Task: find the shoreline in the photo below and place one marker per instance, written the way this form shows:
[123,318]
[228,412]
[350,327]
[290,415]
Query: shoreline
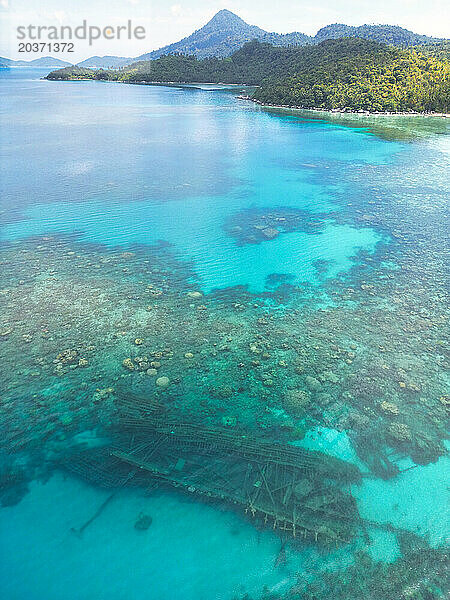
[336,111]
[332,111]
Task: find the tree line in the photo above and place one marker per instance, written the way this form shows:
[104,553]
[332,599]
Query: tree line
[351,73]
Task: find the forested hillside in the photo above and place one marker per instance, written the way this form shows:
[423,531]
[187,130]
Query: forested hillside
[385,34]
[344,73]
[363,76]
[226,33]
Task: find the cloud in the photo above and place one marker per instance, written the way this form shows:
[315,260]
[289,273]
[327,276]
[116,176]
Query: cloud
[4,4]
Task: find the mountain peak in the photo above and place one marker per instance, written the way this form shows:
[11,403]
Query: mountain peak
[224,12]
[225,20]
[226,32]
[221,36]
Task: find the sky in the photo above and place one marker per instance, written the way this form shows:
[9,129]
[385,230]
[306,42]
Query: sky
[167,21]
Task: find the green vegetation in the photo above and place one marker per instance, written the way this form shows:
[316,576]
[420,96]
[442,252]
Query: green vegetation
[347,73]
[226,32]
[440,50]
[73,73]
[363,75]
[223,35]
[385,34]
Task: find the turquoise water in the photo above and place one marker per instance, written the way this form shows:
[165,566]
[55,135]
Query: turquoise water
[117,202]
[162,146]
[195,231]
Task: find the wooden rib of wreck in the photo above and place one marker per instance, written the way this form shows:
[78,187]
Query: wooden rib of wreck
[287,488]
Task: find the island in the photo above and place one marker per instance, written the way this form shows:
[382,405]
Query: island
[349,74]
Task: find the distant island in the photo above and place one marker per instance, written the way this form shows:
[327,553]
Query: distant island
[44,62]
[340,74]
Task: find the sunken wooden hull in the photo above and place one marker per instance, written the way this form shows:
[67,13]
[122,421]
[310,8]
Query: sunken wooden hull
[286,488]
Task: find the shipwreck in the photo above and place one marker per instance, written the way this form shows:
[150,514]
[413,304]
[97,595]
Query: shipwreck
[290,489]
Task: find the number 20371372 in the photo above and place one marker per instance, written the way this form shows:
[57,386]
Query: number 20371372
[46,47]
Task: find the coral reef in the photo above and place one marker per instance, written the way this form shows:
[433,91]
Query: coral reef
[228,353]
[361,353]
[254,226]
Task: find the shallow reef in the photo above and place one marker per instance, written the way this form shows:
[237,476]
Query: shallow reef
[364,353]
[420,574]
[82,323]
[253,226]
